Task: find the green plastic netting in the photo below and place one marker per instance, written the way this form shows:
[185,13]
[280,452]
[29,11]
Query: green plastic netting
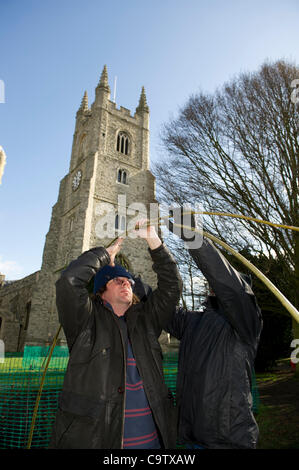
[20,378]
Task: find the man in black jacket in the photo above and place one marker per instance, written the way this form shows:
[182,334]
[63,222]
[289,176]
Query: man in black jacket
[216,358]
[114,395]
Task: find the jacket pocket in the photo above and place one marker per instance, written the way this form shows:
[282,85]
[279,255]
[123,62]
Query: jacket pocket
[78,432]
[62,424]
[84,356]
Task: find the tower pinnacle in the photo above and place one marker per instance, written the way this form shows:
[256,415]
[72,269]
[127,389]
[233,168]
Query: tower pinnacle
[104,80]
[84,102]
[142,106]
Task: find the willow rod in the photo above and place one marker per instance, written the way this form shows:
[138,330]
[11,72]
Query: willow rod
[41,389]
[239,216]
[285,302]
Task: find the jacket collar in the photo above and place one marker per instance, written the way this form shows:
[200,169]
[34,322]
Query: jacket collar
[130,315]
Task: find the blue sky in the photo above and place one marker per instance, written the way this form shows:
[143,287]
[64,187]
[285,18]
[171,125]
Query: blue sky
[53,50]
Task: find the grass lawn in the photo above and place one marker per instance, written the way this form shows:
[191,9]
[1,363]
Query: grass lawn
[278,416]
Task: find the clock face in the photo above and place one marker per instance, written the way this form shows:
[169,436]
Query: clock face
[76,180]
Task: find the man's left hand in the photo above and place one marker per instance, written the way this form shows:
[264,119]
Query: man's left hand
[114,249]
[148,233]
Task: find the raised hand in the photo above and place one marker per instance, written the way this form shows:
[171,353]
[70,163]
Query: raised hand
[148,233]
[114,249]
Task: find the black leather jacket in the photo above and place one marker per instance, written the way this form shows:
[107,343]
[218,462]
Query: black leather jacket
[216,358]
[91,406]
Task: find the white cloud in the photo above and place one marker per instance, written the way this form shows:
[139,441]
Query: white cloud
[11,269]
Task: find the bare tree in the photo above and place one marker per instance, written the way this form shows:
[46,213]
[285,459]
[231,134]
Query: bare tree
[194,289]
[237,151]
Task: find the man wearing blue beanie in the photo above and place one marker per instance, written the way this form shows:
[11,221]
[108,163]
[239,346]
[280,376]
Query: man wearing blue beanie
[114,395]
[107,273]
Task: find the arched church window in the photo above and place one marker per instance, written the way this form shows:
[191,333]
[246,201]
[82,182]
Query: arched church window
[71,223]
[122,176]
[28,309]
[122,144]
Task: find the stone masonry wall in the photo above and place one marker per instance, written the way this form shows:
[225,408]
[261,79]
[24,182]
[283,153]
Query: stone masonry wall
[15,307]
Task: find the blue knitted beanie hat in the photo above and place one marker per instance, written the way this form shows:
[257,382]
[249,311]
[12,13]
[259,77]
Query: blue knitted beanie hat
[107,273]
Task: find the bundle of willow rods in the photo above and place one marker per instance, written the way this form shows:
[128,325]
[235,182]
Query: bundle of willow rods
[284,301]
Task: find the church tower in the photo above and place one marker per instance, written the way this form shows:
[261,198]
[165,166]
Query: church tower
[107,185]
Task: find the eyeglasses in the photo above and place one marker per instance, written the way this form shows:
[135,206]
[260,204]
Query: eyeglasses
[120,281]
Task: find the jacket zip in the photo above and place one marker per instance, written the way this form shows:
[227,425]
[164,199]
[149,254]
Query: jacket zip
[125,392]
[125,380]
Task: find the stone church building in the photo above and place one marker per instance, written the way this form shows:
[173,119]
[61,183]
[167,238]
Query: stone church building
[109,168]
